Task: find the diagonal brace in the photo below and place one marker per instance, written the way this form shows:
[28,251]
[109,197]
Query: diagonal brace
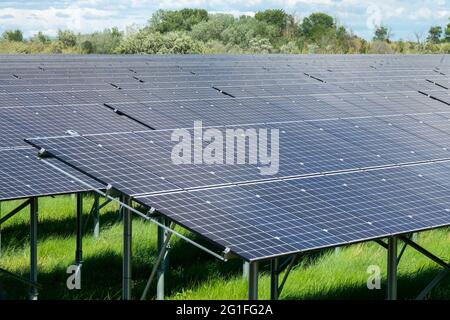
[288,271]
[385,245]
[158,262]
[434,258]
[426,253]
[19,278]
[95,208]
[14,211]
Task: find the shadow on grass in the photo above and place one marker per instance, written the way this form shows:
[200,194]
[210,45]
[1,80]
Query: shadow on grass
[14,234]
[189,267]
[409,286]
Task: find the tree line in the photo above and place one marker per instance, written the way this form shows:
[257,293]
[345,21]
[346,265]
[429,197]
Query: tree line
[197,31]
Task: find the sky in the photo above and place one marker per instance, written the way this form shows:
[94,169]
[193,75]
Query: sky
[405,18]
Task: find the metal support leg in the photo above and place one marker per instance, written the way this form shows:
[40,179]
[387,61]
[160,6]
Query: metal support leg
[245,269]
[0,230]
[79,241]
[96,215]
[162,236]
[126,266]
[253,281]
[392,269]
[274,279]
[122,199]
[33,246]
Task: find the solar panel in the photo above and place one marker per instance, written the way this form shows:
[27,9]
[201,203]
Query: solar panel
[305,148]
[259,221]
[23,175]
[23,122]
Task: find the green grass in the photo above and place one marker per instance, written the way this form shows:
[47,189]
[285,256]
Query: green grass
[193,274]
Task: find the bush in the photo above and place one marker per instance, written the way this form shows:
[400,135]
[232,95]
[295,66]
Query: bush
[105,42]
[13,35]
[261,45]
[41,38]
[87,47]
[212,29]
[179,20]
[67,38]
[147,41]
[380,47]
[290,47]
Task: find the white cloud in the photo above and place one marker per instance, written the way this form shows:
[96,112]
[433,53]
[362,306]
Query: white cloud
[79,19]
[91,15]
[421,13]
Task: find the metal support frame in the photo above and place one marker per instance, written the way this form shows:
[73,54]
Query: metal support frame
[245,268]
[0,229]
[32,281]
[163,250]
[20,279]
[127,249]
[122,200]
[428,254]
[96,215]
[276,268]
[274,279]
[402,250]
[392,269]
[104,204]
[253,281]
[438,278]
[15,211]
[381,243]
[223,256]
[408,240]
[79,230]
[33,246]
[162,255]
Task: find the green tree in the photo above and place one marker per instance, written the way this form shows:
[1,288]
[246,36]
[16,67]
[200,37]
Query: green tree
[274,17]
[316,25]
[41,38]
[247,28]
[103,42]
[148,41]
[178,20]
[447,33]
[434,34]
[382,33]
[13,35]
[67,38]
[213,28]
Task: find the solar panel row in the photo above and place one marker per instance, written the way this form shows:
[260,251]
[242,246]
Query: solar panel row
[264,220]
[363,140]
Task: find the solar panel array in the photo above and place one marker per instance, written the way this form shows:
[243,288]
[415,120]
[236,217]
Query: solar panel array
[364,140]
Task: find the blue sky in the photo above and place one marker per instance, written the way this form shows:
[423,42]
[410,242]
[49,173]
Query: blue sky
[405,18]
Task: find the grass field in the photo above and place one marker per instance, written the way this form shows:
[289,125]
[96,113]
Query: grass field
[193,274]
